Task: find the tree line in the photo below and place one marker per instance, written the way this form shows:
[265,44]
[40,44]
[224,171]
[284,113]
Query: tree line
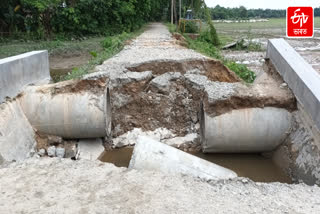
[42,18]
[241,12]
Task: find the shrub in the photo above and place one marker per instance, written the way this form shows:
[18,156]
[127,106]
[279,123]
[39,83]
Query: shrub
[190,27]
[242,71]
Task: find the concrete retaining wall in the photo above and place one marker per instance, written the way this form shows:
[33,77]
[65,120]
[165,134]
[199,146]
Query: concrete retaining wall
[302,79]
[21,70]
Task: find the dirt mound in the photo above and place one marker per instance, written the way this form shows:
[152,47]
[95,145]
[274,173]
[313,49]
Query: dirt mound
[213,69]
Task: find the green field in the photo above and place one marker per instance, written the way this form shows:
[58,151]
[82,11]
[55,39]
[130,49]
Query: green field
[275,26]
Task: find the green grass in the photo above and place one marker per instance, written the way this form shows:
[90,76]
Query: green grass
[111,46]
[203,47]
[275,26]
[241,70]
[100,48]
[272,23]
[15,47]
[171,27]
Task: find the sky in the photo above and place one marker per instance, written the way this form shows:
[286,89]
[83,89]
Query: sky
[270,4]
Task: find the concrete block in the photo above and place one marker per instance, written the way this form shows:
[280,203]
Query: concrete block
[301,78]
[90,149]
[17,138]
[149,154]
[21,70]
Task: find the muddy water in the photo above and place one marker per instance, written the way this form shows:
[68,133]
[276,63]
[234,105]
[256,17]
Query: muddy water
[253,166]
[119,157]
[58,74]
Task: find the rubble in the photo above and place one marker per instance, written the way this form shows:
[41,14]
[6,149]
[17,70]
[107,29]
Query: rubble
[90,149]
[51,151]
[60,152]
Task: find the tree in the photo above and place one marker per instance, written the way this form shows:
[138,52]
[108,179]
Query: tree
[243,13]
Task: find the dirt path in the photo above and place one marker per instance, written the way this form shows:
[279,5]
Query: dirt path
[50,185]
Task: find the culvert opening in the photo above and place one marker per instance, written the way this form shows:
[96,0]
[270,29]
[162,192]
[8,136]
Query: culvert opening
[254,166]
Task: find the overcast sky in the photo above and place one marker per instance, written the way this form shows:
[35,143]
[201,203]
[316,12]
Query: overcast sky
[271,4]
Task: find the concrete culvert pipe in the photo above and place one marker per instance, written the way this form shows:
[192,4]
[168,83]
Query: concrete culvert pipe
[244,130]
[70,109]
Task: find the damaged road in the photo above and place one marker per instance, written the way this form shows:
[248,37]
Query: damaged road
[157,89]
[156,83]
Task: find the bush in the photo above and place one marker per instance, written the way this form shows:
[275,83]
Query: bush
[190,27]
[203,45]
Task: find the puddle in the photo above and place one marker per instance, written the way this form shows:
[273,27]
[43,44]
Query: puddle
[57,74]
[253,166]
[119,157]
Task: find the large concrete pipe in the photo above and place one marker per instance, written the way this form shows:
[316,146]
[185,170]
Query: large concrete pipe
[70,109]
[244,130]
[149,154]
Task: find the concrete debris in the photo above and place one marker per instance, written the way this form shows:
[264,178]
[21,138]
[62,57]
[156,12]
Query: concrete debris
[60,152]
[51,151]
[70,149]
[179,141]
[149,154]
[139,76]
[160,134]
[130,138]
[162,82]
[197,81]
[284,85]
[42,152]
[90,149]
[215,90]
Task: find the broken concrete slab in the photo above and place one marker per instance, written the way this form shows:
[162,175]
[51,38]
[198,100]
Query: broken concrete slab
[230,45]
[162,82]
[17,137]
[21,70]
[149,154]
[90,149]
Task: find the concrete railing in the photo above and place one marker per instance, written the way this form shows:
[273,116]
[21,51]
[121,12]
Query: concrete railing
[301,78]
[21,70]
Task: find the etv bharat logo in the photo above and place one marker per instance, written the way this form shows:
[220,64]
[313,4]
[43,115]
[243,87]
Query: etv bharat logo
[300,22]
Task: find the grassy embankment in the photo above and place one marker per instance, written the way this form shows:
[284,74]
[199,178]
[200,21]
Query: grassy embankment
[203,45]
